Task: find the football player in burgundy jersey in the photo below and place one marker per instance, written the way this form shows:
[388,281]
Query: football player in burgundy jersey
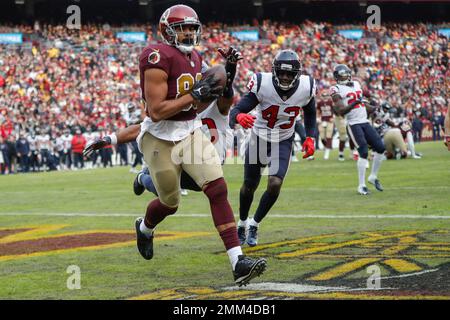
[278,97]
[215,124]
[325,113]
[171,140]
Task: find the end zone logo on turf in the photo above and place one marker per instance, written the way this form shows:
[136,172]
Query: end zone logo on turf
[413,265]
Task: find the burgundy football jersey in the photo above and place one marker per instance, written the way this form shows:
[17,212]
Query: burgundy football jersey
[183,71]
[326,109]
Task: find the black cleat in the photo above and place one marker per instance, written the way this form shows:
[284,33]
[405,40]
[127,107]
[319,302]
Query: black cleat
[247,269]
[252,237]
[144,244]
[241,235]
[137,187]
[376,183]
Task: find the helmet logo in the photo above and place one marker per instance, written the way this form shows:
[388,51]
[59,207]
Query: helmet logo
[165,16]
[285,66]
[154,57]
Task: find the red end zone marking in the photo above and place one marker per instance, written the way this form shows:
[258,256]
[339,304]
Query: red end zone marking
[65,242]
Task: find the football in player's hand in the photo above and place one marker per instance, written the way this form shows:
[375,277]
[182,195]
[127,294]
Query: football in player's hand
[219,73]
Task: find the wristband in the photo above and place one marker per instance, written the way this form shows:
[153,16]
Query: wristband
[113,138]
[228,92]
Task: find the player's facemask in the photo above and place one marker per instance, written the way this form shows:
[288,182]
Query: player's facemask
[185,36]
[285,79]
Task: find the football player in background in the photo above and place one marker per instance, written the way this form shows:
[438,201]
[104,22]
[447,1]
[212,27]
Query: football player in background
[389,131]
[172,89]
[133,116]
[278,97]
[348,101]
[325,114]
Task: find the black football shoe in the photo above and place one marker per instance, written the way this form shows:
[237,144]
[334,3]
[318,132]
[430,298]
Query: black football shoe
[241,235]
[376,183]
[247,268]
[252,237]
[144,243]
[137,187]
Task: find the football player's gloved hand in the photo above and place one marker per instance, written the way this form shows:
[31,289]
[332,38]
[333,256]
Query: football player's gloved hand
[308,147]
[245,120]
[207,89]
[96,145]
[232,55]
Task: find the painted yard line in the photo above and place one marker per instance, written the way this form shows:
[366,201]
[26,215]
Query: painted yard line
[409,274]
[207,215]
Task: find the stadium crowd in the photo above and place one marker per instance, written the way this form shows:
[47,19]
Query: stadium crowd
[63,87]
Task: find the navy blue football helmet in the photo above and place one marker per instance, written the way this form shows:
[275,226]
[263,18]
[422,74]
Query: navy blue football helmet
[286,69]
[342,74]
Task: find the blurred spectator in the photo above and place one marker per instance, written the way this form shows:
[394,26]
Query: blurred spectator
[12,154]
[3,156]
[438,124]
[67,79]
[78,144]
[23,152]
[417,126]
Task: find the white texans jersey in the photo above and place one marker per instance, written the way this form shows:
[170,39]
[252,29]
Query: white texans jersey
[33,142]
[275,118]
[215,126]
[67,139]
[349,94]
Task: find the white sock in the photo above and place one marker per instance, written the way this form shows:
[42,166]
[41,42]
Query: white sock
[234,254]
[361,164]
[145,230]
[376,163]
[326,154]
[411,147]
[139,178]
[253,223]
[243,223]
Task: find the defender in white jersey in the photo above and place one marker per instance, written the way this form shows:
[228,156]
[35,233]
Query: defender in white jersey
[348,101]
[278,98]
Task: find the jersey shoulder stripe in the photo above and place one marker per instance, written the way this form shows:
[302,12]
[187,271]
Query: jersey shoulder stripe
[258,81]
[311,85]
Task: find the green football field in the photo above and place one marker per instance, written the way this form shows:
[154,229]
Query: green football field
[70,235]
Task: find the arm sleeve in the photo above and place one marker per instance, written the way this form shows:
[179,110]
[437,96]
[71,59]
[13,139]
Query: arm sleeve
[309,112]
[245,105]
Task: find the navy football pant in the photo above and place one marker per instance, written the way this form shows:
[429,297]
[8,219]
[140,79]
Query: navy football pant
[364,135]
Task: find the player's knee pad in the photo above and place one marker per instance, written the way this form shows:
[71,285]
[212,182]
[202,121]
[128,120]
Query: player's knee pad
[171,200]
[168,191]
[363,151]
[274,185]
